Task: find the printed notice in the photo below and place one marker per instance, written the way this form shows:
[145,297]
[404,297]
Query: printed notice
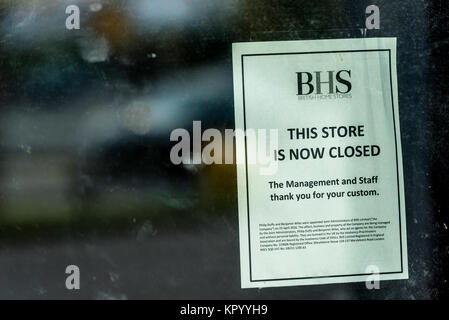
[326,204]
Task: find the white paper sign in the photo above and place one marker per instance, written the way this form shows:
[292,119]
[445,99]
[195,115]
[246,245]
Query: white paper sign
[331,206]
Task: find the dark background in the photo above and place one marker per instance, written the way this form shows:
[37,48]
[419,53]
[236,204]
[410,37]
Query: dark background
[85,173]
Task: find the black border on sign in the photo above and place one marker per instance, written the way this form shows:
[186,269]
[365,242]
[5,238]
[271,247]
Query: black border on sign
[246,163]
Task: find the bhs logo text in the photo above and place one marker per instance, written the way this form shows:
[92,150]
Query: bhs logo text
[313,83]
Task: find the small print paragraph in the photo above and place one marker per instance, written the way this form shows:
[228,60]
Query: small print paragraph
[301,235]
